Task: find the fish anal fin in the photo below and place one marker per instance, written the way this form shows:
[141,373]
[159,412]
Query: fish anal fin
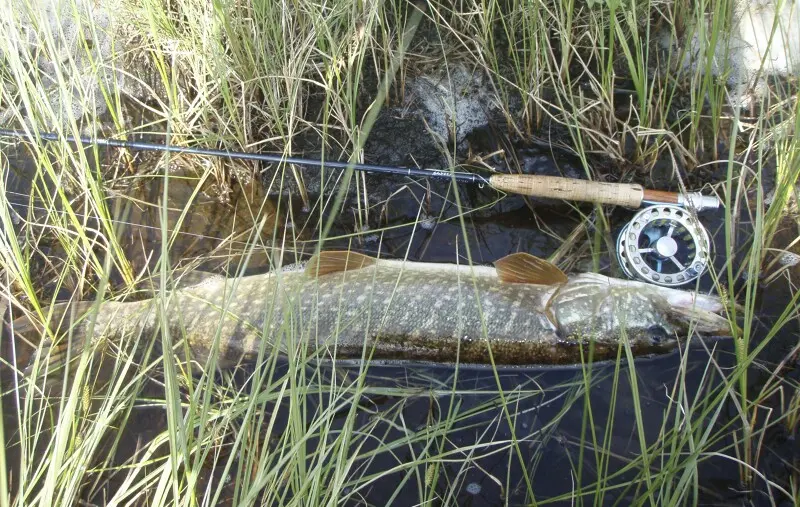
[525,268]
[337,261]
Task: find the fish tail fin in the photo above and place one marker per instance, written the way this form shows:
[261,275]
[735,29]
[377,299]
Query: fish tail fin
[54,342]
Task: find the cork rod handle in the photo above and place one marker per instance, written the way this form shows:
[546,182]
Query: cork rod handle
[569,189]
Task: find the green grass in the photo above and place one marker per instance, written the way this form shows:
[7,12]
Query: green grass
[264,75]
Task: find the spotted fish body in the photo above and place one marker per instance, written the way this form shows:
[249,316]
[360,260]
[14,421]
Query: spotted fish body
[346,305]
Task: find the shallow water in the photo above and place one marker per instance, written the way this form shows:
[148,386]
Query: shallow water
[548,422]
[544,416]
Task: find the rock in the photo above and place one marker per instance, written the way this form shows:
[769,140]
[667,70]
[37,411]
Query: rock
[70,41]
[454,102]
[749,46]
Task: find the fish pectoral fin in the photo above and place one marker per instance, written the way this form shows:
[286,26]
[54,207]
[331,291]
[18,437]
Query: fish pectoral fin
[525,268]
[335,261]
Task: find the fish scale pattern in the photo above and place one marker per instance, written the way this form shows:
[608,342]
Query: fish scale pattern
[393,310]
[435,314]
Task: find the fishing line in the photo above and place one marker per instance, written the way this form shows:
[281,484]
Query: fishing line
[554,187]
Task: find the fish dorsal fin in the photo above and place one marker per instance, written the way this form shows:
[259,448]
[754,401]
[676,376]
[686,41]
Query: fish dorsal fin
[337,260]
[525,268]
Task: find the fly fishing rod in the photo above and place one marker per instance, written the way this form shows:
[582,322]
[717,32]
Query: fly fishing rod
[664,244]
[554,187]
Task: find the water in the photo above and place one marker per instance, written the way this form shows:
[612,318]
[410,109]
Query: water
[545,407]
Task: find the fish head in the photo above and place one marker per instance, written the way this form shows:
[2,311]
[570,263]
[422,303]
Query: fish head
[606,309]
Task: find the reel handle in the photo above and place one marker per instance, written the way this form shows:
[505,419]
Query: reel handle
[617,194]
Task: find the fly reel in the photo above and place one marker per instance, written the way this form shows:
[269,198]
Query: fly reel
[664,245]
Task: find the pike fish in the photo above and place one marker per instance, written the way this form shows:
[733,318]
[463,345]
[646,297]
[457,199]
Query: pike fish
[340,304]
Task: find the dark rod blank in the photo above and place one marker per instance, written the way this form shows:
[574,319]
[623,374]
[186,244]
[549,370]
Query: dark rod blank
[460,177]
[554,187]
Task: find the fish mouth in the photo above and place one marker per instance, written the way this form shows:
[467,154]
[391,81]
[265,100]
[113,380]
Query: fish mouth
[703,321]
[702,313]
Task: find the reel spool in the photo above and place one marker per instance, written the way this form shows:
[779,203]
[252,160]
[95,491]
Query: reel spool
[664,245]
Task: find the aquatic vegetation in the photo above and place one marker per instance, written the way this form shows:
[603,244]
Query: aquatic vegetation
[77,50]
[582,82]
